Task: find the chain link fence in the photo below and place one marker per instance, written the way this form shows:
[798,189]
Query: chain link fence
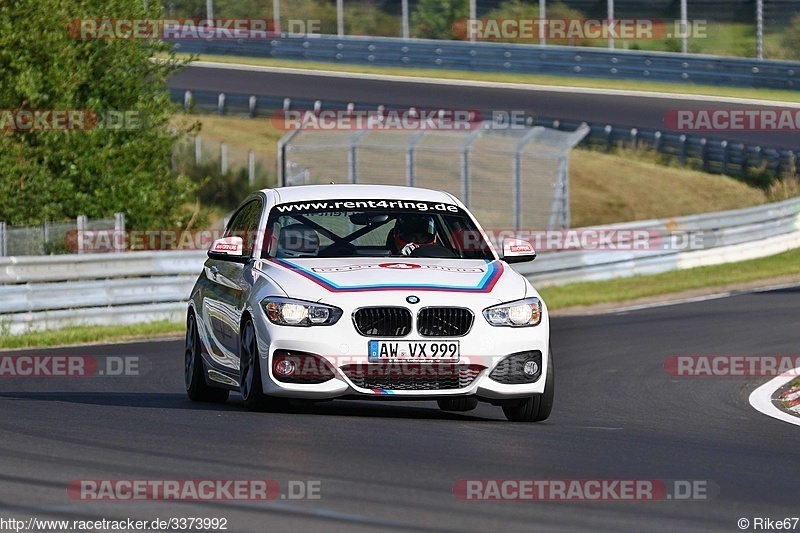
[54,238]
[717,27]
[511,177]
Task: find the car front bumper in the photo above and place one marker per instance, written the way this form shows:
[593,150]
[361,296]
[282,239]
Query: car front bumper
[340,345]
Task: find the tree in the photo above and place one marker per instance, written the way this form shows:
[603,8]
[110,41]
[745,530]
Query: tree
[434,19]
[58,174]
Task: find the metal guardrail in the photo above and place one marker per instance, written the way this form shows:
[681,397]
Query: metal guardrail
[56,291]
[727,236]
[50,292]
[714,155]
[585,62]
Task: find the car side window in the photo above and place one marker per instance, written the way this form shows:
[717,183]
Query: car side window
[245,225]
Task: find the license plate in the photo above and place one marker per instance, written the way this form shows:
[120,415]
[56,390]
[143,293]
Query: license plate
[423,351]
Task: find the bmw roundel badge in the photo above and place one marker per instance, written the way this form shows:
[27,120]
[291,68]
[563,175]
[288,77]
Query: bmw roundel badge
[412,299]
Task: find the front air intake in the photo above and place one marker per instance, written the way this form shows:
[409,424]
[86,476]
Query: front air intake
[383,321]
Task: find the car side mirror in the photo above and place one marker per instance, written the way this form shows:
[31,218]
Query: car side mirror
[228,249]
[517,251]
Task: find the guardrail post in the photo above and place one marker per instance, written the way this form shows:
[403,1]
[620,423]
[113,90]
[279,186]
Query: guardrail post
[3,228]
[120,240]
[634,138]
[352,157]
[411,157]
[607,130]
[251,168]
[776,165]
[658,140]
[223,157]
[682,140]
[724,145]
[253,106]
[404,16]
[283,162]
[610,17]
[757,149]
[745,152]
[466,171]
[704,154]
[287,103]
[81,223]
[317,106]
[563,170]
[516,169]
[221,103]
[198,150]
[187,99]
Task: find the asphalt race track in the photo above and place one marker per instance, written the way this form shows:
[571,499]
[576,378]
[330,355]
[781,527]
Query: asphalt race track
[618,415]
[641,112]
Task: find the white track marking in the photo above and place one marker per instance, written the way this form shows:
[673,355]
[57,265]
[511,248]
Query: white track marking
[627,309]
[761,398]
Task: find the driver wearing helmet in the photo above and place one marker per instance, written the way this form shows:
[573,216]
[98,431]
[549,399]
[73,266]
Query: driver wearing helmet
[412,231]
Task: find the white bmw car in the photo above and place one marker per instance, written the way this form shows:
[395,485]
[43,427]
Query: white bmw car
[327,292]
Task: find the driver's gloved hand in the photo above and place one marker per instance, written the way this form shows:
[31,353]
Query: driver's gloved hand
[408,248]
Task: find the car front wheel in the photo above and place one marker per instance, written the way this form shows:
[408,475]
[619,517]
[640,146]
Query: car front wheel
[250,372]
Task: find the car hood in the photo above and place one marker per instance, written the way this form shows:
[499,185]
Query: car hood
[336,279]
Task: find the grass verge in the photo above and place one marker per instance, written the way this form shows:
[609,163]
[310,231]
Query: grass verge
[621,186]
[533,79]
[638,287]
[91,335]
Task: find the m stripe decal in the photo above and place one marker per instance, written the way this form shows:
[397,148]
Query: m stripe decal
[485,284]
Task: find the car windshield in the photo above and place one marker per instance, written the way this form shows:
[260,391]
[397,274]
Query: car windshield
[373,228]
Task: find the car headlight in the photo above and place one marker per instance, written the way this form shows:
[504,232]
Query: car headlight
[527,312]
[288,312]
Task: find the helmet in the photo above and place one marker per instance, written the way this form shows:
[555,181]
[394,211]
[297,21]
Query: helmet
[417,229]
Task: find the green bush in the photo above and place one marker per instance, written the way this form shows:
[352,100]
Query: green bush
[216,189]
[434,19]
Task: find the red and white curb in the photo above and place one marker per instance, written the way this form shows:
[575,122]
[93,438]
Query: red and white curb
[791,399]
[762,398]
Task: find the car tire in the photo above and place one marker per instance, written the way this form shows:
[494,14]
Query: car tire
[538,407]
[466,403]
[250,385]
[194,368]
